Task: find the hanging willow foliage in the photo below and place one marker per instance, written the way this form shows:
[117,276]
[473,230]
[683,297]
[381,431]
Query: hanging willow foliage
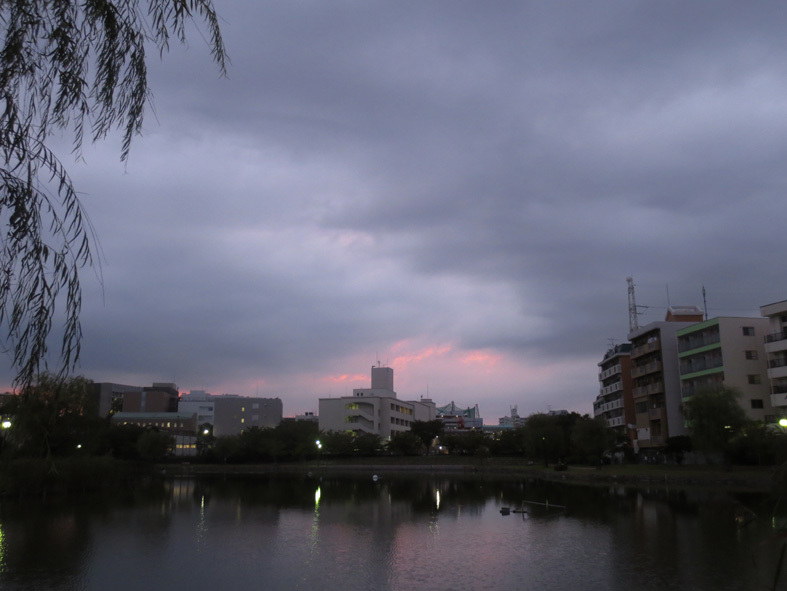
[79,67]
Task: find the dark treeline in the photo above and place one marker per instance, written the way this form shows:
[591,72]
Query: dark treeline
[57,418]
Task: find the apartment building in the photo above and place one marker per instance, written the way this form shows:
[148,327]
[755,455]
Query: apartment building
[731,352]
[615,400]
[775,343]
[656,378]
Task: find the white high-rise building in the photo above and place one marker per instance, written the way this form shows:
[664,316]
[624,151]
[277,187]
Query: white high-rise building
[374,410]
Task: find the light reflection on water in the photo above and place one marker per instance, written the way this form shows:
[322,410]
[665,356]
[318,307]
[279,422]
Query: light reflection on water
[395,534]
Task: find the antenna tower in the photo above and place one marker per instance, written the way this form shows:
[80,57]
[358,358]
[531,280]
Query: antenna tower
[704,302]
[633,322]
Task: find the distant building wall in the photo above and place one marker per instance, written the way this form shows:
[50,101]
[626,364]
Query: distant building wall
[234,414]
[199,402]
[110,396]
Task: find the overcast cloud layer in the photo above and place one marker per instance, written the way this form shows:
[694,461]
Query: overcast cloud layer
[456,189]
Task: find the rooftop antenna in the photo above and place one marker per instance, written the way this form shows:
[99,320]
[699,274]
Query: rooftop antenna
[633,322]
[704,303]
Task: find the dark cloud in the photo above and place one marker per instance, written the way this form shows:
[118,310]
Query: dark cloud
[460,185]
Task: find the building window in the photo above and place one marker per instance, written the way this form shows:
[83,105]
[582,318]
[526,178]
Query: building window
[255,406]
[748,331]
[757,403]
[750,354]
[755,378]
[641,407]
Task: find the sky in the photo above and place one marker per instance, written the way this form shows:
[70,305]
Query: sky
[455,189]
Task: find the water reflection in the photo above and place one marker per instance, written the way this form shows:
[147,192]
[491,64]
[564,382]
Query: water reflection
[311,532]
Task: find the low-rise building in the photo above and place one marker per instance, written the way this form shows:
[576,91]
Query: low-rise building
[455,418]
[512,421]
[182,426]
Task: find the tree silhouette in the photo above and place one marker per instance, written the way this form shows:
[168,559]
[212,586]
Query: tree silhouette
[78,67]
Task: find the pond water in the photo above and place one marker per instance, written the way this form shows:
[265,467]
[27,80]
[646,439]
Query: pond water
[398,533]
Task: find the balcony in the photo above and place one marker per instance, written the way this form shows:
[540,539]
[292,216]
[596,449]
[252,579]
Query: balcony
[654,345]
[700,364]
[608,373]
[776,336]
[648,389]
[608,406]
[617,386]
[689,342]
[641,370]
[779,400]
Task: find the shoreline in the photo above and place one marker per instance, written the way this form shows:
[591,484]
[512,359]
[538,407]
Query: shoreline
[764,479]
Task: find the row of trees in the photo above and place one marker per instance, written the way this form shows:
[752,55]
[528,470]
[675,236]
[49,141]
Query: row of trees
[544,438]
